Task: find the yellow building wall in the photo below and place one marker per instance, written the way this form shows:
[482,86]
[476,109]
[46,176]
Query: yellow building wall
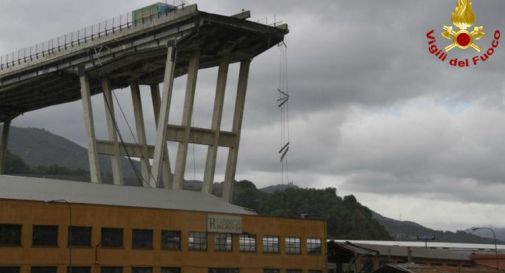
[29,213]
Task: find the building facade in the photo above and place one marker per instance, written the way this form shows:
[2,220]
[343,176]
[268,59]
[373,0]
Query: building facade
[40,233]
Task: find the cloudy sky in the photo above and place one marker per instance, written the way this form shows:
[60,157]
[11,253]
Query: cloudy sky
[372,112]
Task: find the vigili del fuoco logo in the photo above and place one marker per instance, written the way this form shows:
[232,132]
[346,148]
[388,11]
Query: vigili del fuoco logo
[462,37]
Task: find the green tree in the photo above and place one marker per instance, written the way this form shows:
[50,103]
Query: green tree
[346,218]
[15,164]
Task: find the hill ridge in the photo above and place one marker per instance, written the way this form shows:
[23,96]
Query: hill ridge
[346,217]
[40,147]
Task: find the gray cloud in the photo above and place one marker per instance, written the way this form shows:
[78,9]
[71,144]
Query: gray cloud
[372,112]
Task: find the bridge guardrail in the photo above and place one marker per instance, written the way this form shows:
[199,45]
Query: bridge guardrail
[76,38]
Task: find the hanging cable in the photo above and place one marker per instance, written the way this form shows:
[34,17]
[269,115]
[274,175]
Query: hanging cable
[283,105]
[124,117]
[150,174]
[116,127]
[286,86]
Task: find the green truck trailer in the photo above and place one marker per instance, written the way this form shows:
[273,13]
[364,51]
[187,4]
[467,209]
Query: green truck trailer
[151,10]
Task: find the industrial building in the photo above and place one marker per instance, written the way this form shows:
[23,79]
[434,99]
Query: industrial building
[45,225]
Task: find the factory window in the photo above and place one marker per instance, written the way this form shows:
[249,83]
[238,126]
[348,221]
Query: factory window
[142,270]
[111,269]
[293,245]
[44,269]
[294,271]
[10,235]
[170,270]
[224,270]
[223,242]
[271,270]
[170,239]
[313,246]
[79,236]
[112,237]
[9,269]
[142,238]
[79,269]
[45,236]
[270,244]
[247,243]
[197,241]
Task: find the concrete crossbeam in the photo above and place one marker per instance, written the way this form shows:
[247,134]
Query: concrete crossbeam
[105,147]
[198,136]
[231,165]
[117,172]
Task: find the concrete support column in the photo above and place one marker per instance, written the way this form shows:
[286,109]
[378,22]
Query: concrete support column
[141,132]
[94,167]
[166,172]
[110,116]
[210,165]
[182,150]
[3,145]
[231,165]
[161,135]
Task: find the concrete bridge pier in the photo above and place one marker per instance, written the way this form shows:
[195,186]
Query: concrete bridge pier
[231,165]
[210,165]
[159,174]
[94,166]
[141,132]
[3,145]
[166,173]
[182,150]
[117,170]
[164,109]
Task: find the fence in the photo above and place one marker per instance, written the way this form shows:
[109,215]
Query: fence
[76,38]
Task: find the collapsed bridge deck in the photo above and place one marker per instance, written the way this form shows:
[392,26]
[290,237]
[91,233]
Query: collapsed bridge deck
[147,52]
[135,53]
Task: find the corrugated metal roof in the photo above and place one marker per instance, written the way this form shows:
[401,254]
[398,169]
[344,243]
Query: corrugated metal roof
[402,251]
[416,268]
[393,268]
[39,189]
[354,248]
